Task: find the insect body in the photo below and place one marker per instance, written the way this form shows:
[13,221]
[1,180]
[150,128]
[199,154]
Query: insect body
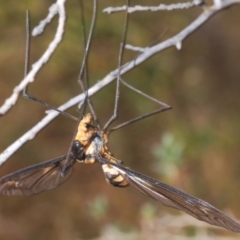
[94,143]
[88,143]
[89,146]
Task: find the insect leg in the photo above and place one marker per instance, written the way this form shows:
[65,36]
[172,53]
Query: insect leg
[26,69]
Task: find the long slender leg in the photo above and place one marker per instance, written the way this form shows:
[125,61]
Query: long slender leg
[26,69]
[83,74]
[163,108]
[120,80]
[121,52]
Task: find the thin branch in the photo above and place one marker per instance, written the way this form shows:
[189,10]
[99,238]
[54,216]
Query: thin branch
[160,7]
[44,59]
[51,114]
[53,10]
[134,48]
[178,38]
[149,52]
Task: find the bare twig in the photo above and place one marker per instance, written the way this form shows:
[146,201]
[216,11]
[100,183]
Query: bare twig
[160,7]
[147,53]
[60,8]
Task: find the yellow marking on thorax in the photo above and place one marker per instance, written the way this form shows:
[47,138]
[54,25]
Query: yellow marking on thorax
[85,132]
[85,136]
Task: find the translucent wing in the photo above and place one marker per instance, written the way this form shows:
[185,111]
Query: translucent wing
[172,197]
[37,178]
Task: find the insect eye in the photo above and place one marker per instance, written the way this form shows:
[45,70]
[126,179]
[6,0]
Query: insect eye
[77,150]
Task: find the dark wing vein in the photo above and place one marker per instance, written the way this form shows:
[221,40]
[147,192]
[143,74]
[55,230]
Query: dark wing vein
[172,197]
[37,178]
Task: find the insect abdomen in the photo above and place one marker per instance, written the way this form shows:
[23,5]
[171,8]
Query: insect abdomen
[114,177]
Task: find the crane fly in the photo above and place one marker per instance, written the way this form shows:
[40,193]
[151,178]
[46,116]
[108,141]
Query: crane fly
[90,146]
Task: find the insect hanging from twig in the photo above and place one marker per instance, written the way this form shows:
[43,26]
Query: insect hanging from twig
[89,146]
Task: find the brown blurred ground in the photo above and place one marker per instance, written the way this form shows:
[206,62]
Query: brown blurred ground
[201,83]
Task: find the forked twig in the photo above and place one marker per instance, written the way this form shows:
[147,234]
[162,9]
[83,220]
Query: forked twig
[146,54]
[59,8]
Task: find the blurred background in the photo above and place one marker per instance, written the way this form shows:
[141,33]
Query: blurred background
[194,146]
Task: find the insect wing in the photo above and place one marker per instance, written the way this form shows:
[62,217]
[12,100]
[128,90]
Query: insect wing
[172,197]
[35,179]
